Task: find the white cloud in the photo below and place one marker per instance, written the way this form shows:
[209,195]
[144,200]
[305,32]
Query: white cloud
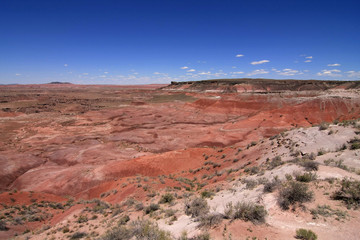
[334,65]
[330,73]
[289,72]
[237,72]
[65,65]
[260,62]
[162,74]
[353,74]
[309,57]
[258,71]
[204,73]
[275,70]
[191,70]
[106,72]
[239,55]
[17,74]
[185,67]
[85,73]
[307,61]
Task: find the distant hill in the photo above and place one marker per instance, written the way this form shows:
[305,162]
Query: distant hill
[60,83]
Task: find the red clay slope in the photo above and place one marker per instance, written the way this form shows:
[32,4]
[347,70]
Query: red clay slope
[71,152]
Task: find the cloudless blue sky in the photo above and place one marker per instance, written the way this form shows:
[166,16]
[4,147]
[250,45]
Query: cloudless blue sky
[134,42]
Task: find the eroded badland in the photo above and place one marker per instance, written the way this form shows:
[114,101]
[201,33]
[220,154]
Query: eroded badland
[180,160]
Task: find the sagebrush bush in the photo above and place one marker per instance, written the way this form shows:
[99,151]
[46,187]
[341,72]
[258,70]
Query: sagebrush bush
[305,234]
[82,219]
[323,126]
[246,211]
[349,193]
[152,208]
[117,233]
[310,165]
[250,183]
[78,235]
[166,198]
[306,177]
[292,193]
[145,229]
[3,226]
[271,186]
[201,236]
[275,162]
[207,194]
[100,206]
[196,207]
[210,220]
[327,211]
[354,144]
[139,229]
[123,220]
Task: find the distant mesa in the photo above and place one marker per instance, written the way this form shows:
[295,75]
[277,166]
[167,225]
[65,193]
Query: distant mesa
[260,85]
[60,83]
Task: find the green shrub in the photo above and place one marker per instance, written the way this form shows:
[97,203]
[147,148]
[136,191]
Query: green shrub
[207,194]
[100,206]
[254,170]
[306,177]
[123,220]
[349,193]
[197,207]
[202,236]
[310,165]
[145,229]
[82,219]
[305,234]
[117,233]
[323,126]
[355,144]
[292,193]
[271,186]
[139,229]
[152,208]
[327,211]
[321,152]
[246,211]
[275,162]
[3,226]
[210,220]
[139,206]
[78,235]
[166,198]
[250,183]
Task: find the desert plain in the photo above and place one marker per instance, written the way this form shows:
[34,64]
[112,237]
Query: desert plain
[214,159]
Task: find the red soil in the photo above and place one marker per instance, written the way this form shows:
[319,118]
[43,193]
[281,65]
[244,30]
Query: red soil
[84,141]
[70,153]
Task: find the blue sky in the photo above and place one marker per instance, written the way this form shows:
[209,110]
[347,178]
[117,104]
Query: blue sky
[135,42]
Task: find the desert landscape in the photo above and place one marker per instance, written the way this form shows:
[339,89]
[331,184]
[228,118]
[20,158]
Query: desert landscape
[215,159]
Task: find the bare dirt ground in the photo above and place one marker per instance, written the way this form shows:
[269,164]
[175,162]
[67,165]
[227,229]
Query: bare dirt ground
[64,147]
